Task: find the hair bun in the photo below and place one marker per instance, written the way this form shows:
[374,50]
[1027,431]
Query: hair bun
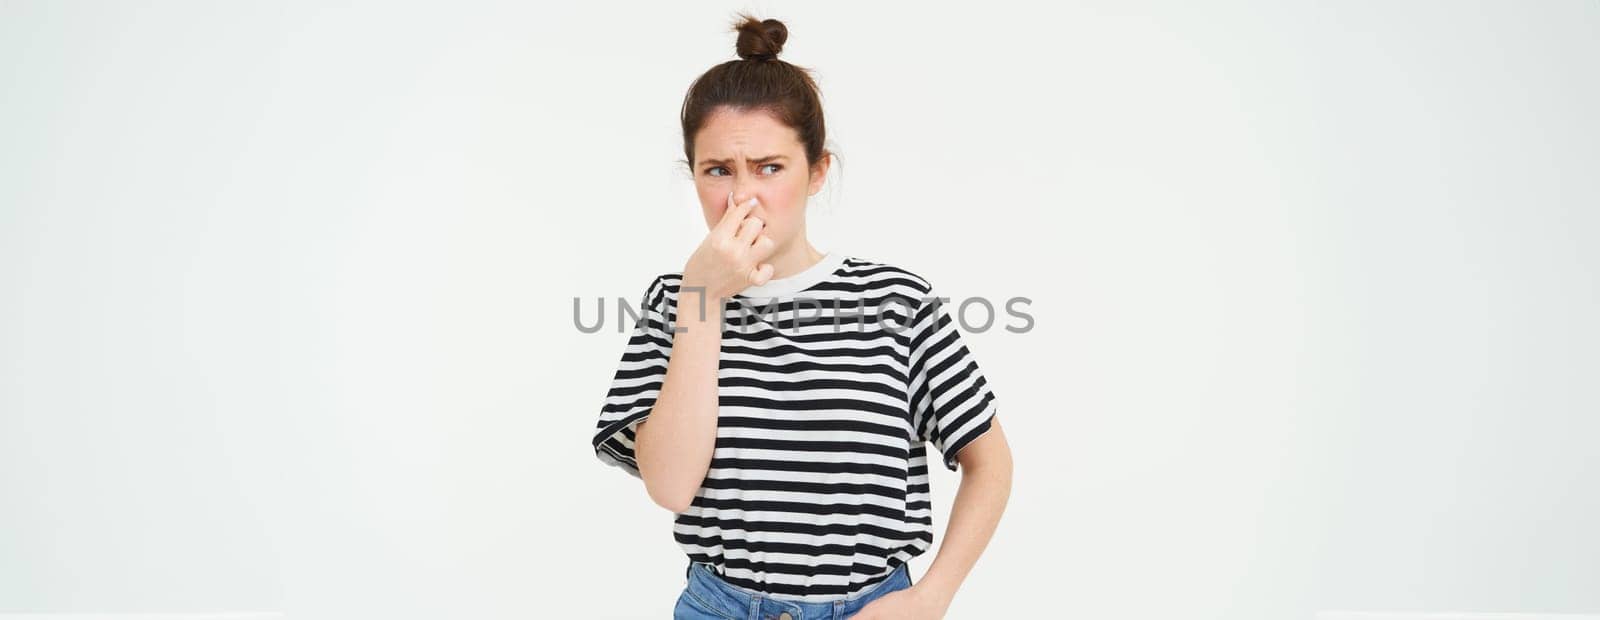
[759,39]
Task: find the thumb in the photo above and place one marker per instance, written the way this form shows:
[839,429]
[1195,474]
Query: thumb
[761,274]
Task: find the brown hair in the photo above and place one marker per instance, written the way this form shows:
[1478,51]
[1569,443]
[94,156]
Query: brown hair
[758,81]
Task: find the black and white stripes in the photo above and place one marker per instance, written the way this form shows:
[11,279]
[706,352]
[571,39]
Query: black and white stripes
[818,485]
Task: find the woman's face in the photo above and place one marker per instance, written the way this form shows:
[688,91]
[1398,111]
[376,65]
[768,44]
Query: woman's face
[750,153]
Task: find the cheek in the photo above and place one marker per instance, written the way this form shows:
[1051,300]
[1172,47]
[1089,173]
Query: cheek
[783,217]
[713,201]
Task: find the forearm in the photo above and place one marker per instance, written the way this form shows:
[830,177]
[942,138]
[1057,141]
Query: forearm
[979,503]
[674,444]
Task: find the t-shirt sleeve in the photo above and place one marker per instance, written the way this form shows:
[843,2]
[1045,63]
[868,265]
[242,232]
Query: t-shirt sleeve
[637,382]
[951,400]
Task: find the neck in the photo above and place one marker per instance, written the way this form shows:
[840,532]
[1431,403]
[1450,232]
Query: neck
[794,258]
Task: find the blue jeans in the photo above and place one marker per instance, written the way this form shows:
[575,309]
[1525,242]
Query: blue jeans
[708,597]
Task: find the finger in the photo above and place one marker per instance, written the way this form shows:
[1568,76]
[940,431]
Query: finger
[763,247]
[760,275]
[734,214]
[730,213]
[749,230]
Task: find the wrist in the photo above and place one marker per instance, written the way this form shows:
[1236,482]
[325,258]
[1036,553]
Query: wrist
[698,291]
[699,310]
[934,592]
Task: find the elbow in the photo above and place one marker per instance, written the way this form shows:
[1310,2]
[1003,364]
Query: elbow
[668,496]
[676,504]
[667,493]
[667,485]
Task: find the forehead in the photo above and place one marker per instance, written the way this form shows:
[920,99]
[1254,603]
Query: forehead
[730,132]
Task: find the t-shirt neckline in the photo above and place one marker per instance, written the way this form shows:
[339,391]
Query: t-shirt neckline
[805,279]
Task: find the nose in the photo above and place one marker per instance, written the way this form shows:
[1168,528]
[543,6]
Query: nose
[743,187]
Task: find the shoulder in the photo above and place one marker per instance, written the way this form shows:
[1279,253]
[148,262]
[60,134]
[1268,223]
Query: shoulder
[662,290]
[666,280]
[921,300]
[886,274]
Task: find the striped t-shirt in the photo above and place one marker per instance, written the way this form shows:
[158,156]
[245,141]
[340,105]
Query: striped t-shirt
[818,485]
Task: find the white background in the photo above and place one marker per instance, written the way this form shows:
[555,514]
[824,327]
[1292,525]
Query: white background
[287,314]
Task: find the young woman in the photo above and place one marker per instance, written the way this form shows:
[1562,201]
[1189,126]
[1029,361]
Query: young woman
[778,399]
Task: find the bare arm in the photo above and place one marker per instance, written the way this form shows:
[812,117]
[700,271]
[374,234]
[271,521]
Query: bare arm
[674,443]
[985,489]
[673,446]
[980,501]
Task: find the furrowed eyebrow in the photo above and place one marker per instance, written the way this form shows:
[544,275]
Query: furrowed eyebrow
[756,160]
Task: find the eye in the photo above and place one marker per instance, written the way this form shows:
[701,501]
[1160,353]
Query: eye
[713,169]
[778,166]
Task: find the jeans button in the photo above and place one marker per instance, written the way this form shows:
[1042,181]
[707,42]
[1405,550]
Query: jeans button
[785,616]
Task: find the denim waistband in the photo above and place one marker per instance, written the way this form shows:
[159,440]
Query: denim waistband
[746,604]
